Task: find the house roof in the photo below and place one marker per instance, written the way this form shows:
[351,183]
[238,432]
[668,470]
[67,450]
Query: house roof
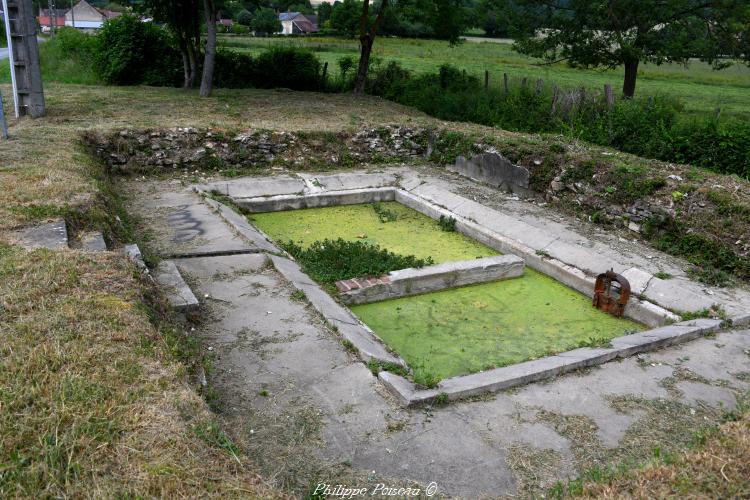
[109,14]
[288,16]
[305,25]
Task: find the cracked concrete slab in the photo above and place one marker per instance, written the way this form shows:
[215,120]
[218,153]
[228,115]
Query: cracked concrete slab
[51,235]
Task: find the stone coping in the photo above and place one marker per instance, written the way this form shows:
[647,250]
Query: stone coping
[179,294]
[406,282]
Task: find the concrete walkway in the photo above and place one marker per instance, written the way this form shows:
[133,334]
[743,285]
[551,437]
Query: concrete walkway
[307,411]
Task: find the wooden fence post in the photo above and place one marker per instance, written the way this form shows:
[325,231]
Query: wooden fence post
[555,97]
[609,96]
[3,122]
[486,79]
[505,82]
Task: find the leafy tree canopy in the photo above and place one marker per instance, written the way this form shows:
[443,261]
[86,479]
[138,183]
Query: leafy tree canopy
[601,33]
[265,21]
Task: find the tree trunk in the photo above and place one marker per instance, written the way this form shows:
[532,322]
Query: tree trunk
[208,60]
[631,73]
[193,64]
[364,63]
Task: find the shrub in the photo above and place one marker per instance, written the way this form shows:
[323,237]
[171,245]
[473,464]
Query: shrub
[288,67]
[234,70]
[131,52]
[240,29]
[68,56]
[724,148]
[329,261]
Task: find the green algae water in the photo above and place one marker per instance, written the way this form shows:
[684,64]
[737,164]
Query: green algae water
[462,330]
[410,234]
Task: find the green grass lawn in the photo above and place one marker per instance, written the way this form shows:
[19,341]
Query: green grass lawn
[458,331]
[700,88]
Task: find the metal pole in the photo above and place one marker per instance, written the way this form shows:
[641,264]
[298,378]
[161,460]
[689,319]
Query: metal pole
[3,122]
[11,59]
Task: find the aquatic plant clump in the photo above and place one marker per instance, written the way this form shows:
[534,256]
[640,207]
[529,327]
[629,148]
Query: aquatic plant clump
[329,261]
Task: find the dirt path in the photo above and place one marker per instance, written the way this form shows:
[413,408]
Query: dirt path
[310,412]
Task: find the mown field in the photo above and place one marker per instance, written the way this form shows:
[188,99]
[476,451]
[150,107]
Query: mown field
[700,88]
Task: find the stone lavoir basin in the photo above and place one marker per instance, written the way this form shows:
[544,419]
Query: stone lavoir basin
[455,331]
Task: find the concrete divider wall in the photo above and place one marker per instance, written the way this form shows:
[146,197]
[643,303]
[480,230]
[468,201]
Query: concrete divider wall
[406,282]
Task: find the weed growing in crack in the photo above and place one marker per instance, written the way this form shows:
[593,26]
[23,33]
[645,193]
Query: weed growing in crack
[376,367]
[447,224]
[349,346]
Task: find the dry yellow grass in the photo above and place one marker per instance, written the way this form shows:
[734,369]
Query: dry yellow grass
[92,403]
[719,469]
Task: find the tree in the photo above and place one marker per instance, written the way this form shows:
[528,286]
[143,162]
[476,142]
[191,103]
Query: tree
[302,8]
[210,11]
[244,17]
[448,19]
[324,13]
[183,18]
[345,17]
[492,17]
[265,21]
[614,33]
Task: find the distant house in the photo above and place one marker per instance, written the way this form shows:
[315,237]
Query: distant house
[296,23]
[46,16]
[82,16]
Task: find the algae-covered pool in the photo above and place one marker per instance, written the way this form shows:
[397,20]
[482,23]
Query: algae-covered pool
[458,331]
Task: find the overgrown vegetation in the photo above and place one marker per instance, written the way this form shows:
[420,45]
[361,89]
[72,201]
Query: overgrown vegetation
[649,127]
[329,261]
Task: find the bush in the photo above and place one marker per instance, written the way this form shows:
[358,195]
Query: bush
[240,29]
[131,52]
[234,70]
[329,261]
[68,56]
[288,67]
[724,148]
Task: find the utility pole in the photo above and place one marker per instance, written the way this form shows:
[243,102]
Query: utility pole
[23,58]
[72,14]
[52,11]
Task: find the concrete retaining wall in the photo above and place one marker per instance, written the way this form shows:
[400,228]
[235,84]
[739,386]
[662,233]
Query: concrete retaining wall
[411,281]
[494,170]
